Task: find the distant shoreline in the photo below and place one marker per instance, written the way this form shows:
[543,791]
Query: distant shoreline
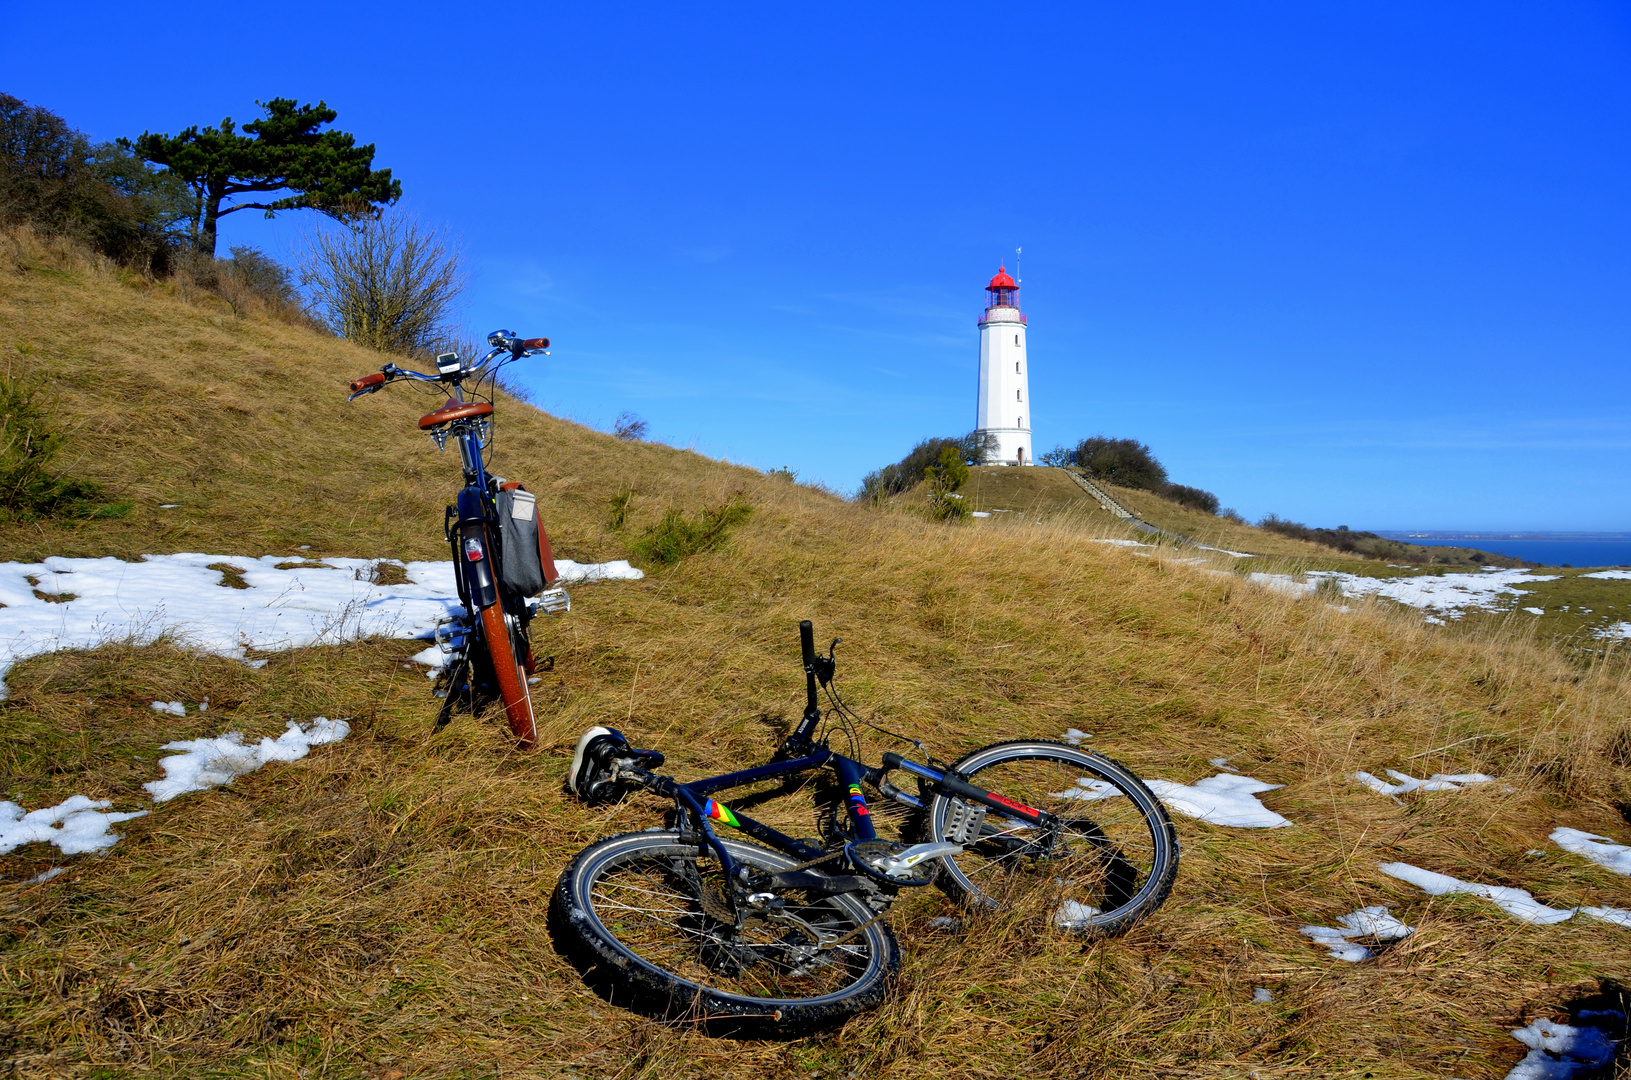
[1492,534]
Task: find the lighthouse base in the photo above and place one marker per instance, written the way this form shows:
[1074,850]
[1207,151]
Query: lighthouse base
[1006,446]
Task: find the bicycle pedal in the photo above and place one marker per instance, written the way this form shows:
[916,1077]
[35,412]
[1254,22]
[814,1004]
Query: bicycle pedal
[963,822]
[552,602]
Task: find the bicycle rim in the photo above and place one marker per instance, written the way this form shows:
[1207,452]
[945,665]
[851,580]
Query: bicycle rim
[1112,861]
[655,908]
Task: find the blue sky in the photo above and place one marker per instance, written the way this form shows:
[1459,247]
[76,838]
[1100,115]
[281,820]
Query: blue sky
[1352,264]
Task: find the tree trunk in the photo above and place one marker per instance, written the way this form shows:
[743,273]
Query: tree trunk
[212,213]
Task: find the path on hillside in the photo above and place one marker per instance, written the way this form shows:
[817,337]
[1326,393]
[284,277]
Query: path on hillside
[1116,508]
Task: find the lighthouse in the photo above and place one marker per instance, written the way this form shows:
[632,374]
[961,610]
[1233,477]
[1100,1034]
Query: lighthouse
[1003,415]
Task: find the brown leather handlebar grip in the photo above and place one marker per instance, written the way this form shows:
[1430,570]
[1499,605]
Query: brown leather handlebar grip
[376,379]
[535,343]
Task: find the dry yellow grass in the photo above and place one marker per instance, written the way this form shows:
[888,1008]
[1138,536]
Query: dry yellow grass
[378,908]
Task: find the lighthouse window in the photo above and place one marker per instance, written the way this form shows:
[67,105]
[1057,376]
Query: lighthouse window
[1016,367]
[1016,339]
[1017,397]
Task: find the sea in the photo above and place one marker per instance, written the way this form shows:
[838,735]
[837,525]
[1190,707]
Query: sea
[1541,549]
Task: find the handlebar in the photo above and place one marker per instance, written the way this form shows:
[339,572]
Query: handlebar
[812,705]
[368,382]
[535,343]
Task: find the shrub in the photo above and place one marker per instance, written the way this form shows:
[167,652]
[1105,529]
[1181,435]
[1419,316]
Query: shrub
[629,427]
[1125,462]
[1193,497]
[53,179]
[975,448]
[1342,538]
[29,490]
[1058,457]
[389,284]
[676,536]
[944,478]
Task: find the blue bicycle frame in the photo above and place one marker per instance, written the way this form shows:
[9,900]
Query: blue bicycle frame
[694,797]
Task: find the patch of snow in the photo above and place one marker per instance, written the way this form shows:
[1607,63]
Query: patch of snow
[1373,922]
[1535,610]
[978,513]
[1281,583]
[432,657]
[616,570]
[1073,915]
[1089,790]
[1225,799]
[1223,763]
[1119,543]
[42,878]
[1599,849]
[1226,551]
[173,708]
[168,506]
[311,604]
[1436,782]
[1614,915]
[1618,630]
[1434,620]
[1559,1051]
[75,826]
[207,763]
[1448,595]
[1611,575]
[1261,996]
[1518,903]
[945,922]
[1075,737]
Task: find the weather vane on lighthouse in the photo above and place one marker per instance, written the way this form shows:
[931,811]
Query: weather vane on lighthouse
[1001,417]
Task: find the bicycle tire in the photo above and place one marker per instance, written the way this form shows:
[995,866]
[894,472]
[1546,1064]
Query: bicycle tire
[508,671]
[632,909]
[1099,876]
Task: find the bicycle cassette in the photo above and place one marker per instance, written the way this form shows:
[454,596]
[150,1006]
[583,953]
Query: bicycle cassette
[894,863]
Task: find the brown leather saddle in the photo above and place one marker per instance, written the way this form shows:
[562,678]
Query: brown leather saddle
[455,410]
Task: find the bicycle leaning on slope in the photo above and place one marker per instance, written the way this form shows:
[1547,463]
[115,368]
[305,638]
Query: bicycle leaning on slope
[785,935]
[501,554]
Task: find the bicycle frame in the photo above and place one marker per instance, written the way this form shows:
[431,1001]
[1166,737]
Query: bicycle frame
[694,796]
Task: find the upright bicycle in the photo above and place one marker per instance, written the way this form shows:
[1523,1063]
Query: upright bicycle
[725,920]
[501,554]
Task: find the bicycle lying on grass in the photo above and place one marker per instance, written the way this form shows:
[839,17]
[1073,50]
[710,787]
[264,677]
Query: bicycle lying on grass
[787,935]
[501,554]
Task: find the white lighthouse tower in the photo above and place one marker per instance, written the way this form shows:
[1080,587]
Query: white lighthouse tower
[1004,411]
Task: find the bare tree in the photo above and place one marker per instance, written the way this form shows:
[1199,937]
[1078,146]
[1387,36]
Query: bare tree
[390,283]
[629,427]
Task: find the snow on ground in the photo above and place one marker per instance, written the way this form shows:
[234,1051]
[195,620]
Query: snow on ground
[1226,551]
[1559,1051]
[207,763]
[1074,915]
[1611,575]
[1599,849]
[1618,630]
[1518,903]
[1075,737]
[1120,543]
[1225,799]
[1450,595]
[310,604]
[76,826]
[1373,922]
[616,570]
[1261,996]
[1436,782]
[173,708]
[1281,583]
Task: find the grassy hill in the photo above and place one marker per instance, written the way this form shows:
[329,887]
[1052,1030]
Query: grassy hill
[378,908]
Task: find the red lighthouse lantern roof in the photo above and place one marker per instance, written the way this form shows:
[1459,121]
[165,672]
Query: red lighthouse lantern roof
[1002,280]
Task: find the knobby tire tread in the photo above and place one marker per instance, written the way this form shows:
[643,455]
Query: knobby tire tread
[642,986]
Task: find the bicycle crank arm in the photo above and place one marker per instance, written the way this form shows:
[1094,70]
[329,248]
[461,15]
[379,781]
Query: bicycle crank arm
[821,883]
[954,785]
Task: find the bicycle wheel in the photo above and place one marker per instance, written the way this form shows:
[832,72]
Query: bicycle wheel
[1111,862]
[647,919]
[508,671]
